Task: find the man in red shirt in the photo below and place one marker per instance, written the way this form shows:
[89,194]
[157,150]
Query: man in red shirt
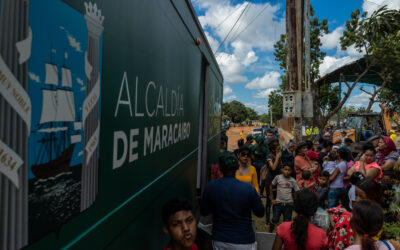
[179,224]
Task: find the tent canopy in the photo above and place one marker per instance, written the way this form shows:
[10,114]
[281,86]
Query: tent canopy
[352,70]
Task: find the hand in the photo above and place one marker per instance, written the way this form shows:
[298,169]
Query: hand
[279,154]
[274,202]
[362,158]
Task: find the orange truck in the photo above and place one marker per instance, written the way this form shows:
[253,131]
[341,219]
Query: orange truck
[359,126]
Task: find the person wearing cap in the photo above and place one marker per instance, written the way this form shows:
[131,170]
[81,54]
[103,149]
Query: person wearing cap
[260,153]
[249,140]
[231,203]
[301,162]
[246,172]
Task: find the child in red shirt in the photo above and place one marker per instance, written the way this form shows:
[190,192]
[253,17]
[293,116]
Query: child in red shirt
[179,224]
[308,181]
[300,233]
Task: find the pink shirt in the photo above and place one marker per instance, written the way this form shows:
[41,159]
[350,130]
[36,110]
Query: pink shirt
[371,165]
[316,237]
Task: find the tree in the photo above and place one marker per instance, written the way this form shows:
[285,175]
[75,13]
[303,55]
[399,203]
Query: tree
[264,118]
[251,114]
[275,102]
[235,110]
[378,37]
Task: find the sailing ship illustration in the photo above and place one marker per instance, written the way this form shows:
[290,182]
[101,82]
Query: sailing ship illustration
[58,129]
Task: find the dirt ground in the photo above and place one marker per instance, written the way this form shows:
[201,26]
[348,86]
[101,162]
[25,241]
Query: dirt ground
[233,136]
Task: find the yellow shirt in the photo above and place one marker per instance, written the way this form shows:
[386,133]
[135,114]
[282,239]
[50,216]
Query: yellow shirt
[241,135]
[251,178]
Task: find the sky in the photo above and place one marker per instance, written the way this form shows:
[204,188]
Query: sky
[246,56]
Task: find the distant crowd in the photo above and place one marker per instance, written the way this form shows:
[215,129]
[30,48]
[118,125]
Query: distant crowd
[337,196]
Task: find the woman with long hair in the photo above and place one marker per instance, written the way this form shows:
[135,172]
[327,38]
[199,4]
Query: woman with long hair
[274,164]
[340,234]
[300,233]
[367,165]
[246,172]
[387,153]
[336,189]
[366,222]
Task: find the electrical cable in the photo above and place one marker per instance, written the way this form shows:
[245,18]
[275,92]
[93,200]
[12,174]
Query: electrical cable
[240,23]
[226,18]
[250,22]
[241,14]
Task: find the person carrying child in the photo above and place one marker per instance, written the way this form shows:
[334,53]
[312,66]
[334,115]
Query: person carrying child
[308,180]
[179,224]
[282,204]
[300,233]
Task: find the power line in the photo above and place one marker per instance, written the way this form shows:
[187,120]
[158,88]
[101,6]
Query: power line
[240,23]
[250,22]
[241,14]
[229,15]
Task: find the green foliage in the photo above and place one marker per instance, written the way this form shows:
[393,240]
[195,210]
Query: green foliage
[238,112]
[366,33]
[251,114]
[275,101]
[390,99]
[264,118]
[328,98]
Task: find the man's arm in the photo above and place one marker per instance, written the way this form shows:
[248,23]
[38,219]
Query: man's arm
[257,206]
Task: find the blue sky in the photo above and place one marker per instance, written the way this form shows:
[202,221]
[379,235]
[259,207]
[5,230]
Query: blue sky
[246,57]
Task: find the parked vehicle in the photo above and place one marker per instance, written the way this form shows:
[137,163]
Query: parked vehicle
[257,131]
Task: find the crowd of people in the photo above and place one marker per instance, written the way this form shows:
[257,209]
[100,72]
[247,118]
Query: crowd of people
[336,196]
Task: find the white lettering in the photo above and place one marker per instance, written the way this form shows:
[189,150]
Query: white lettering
[147,91]
[133,144]
[157,141]
[136,100]
[160,105]
[148,140]
[124,102]
[119,135]
[164,136]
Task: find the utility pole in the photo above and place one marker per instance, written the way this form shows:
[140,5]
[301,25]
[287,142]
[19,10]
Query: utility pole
[298,103]
[270,114]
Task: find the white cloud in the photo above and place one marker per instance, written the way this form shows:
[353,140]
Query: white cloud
[212,41]
[258,107]
[331,63]
[79,80]
[227,90]
[34,77]
[262,33]
[232,68]
[264,94]
[239,50]
[332,40]
[74,43]
[229,98]
[372,5]
[358,100]
[269,80]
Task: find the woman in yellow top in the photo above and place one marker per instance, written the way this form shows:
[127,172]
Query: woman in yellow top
[246,172]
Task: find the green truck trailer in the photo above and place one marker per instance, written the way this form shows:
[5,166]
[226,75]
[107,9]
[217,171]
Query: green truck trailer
[108,109]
